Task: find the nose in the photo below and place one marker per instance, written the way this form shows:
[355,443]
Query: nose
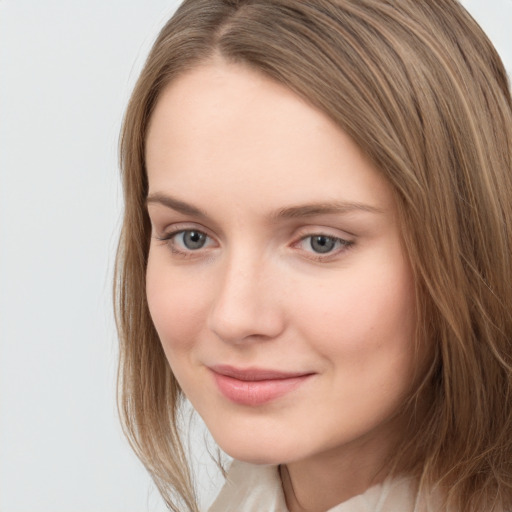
[249,302]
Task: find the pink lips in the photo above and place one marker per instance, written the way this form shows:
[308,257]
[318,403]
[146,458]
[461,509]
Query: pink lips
[255,386]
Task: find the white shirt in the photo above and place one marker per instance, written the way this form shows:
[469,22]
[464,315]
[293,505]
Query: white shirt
[252,488]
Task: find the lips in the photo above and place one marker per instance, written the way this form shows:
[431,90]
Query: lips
[255,386]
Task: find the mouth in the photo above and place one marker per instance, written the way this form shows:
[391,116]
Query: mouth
[255,386]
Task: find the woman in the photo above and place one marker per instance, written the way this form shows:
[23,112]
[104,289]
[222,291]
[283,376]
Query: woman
[316,251]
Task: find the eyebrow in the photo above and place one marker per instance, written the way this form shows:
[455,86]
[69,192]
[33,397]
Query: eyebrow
[335,207]
[175,204]
[290,212]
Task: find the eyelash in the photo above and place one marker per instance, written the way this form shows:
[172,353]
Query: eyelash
[343,245]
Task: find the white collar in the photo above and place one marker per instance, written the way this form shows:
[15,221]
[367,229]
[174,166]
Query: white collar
[252,488]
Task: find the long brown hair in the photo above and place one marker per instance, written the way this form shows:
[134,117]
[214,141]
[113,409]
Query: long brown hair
[419,87]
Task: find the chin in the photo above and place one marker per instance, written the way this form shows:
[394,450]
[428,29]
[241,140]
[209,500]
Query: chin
[254,456]
[257,448]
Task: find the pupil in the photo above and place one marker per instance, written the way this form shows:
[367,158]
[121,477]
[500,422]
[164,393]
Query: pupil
[322,244]
[194,239]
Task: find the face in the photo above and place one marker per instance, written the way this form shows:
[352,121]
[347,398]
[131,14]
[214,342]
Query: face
[276,278]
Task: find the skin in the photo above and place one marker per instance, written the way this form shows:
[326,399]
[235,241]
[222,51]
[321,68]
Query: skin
[240,150]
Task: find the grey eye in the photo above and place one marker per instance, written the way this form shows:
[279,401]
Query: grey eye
[193,240]
[323,244]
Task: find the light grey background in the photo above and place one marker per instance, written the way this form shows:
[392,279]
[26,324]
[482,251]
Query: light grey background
[66,71]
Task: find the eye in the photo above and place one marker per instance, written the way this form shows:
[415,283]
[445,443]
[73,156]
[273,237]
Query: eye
[320,244]
[185,241]
[191,239]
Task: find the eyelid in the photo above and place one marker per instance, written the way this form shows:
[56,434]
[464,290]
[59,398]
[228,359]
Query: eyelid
[177,227]
[319,230]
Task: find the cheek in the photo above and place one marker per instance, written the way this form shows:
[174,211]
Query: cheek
[361,316]
[363,332]
[176,305]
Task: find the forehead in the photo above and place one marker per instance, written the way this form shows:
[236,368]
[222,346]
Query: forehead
[225,127]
